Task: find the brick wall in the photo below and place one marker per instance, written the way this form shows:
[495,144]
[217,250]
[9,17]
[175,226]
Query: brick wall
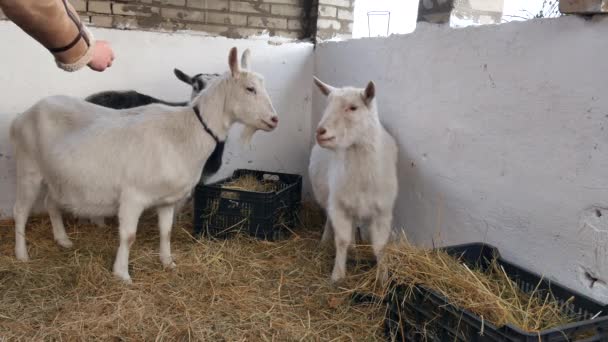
[333,18]
[301,19]
[235,19]
[583,6]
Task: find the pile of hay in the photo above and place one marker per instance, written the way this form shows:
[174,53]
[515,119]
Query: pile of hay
[238,289]
[490,294]
[250,183]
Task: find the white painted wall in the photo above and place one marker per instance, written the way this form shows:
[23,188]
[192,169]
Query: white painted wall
[503,134]
[145,62]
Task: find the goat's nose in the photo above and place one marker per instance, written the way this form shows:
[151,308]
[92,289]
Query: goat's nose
[275,119]
[321,131]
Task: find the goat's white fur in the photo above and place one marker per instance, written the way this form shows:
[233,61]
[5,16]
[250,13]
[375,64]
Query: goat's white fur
[100,220]
[96,161]
[353,171]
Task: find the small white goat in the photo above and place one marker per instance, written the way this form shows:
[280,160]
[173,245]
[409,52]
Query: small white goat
[96,161]
[353,171]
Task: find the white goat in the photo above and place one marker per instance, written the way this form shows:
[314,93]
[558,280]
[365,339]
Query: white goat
[353,171]
[130,99]
[96,161]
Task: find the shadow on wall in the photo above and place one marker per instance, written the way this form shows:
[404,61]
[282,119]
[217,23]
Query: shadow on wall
[419,193]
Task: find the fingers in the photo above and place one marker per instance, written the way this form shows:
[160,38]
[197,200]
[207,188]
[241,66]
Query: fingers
[103,56]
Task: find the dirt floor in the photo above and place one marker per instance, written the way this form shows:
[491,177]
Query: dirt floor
[226,290]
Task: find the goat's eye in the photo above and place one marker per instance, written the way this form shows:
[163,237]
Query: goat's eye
[251,90]
[352,108]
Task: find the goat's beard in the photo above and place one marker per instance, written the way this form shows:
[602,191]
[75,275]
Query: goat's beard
[247,135]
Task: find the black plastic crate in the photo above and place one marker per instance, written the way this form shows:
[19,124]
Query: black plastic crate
[426,315]
[221,212]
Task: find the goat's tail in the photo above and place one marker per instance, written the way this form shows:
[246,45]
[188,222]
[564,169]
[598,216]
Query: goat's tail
[13,130]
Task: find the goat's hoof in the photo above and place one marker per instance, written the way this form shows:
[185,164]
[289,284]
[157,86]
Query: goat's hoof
[22,255]
[336,277]
[169,264]
[65,243]
[382,277]
[125,278]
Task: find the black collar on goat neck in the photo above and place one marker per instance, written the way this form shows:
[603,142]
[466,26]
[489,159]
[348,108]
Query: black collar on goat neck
[200,118]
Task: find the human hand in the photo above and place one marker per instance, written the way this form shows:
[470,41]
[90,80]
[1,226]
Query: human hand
[103,56]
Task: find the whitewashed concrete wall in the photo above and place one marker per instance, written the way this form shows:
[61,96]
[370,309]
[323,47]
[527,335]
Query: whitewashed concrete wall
[145,62]
[503,132]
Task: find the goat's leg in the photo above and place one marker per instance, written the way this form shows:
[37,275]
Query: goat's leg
[328,233]
[343,227]
[128,216]
[179,206]
[380,231]
[99,221]
[61,237]
[29,182]
[364,234]
[165,222]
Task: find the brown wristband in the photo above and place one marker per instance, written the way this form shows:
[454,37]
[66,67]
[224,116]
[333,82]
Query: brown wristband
[69,46]
[85,59]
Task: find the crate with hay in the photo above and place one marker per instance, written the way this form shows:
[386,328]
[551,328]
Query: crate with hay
[469,293]
[259,203]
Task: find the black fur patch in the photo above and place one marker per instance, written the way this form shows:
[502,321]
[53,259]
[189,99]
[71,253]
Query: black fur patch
[214,162]
[126,99]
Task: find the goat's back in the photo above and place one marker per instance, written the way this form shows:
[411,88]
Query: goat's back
[87,154]
[51,118]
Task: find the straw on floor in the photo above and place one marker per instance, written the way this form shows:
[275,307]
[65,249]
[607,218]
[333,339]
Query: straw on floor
[238,289]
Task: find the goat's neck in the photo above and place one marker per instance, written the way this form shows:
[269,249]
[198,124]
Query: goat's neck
[360,154]
[366,146]
[211,104]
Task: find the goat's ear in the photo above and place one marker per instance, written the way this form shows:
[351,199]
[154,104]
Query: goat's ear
[369,93]
[182,76]
[324,88]
[245,64]
[234,63]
